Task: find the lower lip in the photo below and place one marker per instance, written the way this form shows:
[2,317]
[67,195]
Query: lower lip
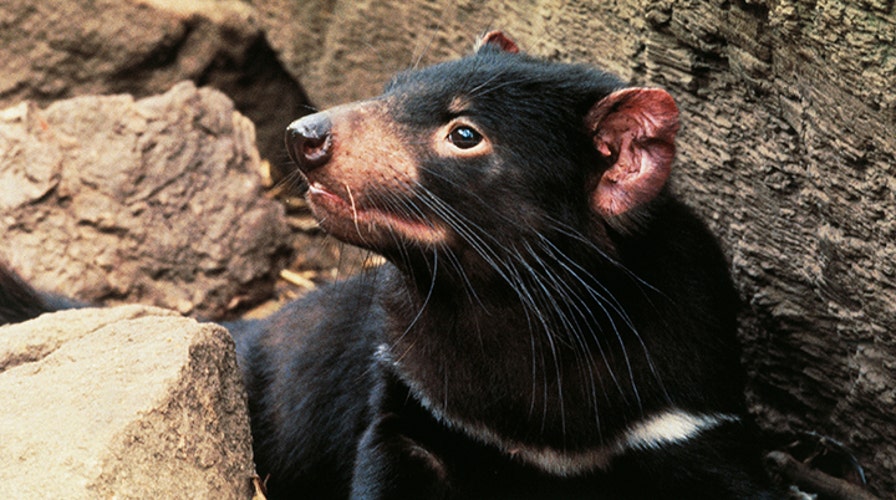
[417,231]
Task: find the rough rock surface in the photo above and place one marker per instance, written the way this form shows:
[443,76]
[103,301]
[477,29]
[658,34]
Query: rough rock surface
[55,50]
[155,201]
[125,402]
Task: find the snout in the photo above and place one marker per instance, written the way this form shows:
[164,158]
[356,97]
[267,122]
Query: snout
[309,141]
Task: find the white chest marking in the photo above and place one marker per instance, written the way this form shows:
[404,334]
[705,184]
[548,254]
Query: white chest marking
[673,426]
[669,427]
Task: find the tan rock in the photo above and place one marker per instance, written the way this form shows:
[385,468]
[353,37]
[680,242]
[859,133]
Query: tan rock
[126,402]
[156,200]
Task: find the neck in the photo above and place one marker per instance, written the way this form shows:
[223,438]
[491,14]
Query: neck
[566,349]
[534,355]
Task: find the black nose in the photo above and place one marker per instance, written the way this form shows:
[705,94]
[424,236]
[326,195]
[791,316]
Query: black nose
[308,141]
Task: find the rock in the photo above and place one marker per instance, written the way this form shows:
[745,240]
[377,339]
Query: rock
[51,51]
[156,201]
[125,402]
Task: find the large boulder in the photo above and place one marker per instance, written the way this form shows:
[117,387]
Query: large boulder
[156,201]
[126,402]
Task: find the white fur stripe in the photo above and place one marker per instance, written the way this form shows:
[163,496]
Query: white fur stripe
[671,427]
[666,428]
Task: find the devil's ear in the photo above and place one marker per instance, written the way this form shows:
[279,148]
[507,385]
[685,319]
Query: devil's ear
[497,39]
[634,129]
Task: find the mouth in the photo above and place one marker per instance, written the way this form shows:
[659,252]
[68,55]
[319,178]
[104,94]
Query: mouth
[352,220]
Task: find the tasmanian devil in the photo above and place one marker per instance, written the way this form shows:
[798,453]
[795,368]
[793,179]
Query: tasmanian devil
[551,322]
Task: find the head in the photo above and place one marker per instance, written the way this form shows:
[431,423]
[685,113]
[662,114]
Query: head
[487,153]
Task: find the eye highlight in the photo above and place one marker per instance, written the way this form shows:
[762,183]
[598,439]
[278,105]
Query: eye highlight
[464,137]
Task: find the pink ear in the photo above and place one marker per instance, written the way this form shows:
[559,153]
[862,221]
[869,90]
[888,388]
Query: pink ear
[498,39]
[635,130]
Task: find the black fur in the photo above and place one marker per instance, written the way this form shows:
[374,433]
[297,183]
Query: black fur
[536,318]
[18,301]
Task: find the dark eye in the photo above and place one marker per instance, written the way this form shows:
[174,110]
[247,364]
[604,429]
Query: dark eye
[464,137]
